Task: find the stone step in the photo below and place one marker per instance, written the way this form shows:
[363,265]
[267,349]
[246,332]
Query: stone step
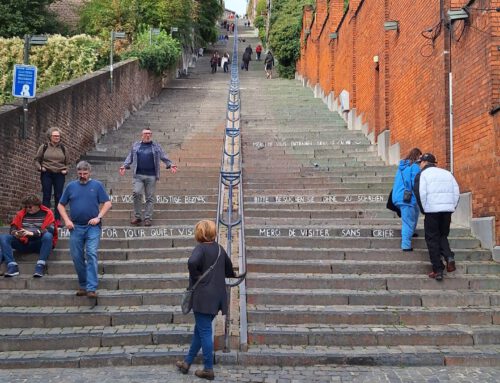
[68,298]
[92,357]
[180,213]
[327,266]
[390,282]
[358,254]
[320,238]
[311,182]
[304,213]
[417,298]
[359,231]
[371,315]
[383,335]
[289,355]
[48,317]
[63,338]
[140,238]
[106,282]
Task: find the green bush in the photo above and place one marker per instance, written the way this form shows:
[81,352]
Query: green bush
[162,54]
[284,34]
[62,59]
[259,22]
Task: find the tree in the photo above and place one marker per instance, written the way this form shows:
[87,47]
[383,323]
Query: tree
[20,17]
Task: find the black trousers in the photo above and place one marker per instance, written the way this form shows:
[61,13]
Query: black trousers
[437,229]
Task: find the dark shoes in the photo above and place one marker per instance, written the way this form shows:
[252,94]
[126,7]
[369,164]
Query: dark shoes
[450,265]
[438,276]
[91,294]
[81,293]
[136,221]
[182,366]
[12,271]
[39,270]
[147,222]
[205,374]
[410,249]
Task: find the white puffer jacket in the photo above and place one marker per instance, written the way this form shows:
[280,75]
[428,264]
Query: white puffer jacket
[436,190]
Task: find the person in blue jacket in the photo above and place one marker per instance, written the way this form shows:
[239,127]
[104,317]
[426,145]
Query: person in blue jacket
[404,180]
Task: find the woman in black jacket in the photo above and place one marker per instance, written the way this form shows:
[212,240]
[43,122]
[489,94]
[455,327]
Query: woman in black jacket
[209,296]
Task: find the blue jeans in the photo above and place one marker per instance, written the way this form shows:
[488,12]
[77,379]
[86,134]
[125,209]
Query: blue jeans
[409,218]
[202,338]
[51,180]
[41,245]
[83,245]
[144,185]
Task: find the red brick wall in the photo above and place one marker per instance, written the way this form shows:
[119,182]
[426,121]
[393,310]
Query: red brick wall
[408,93]
[83,109]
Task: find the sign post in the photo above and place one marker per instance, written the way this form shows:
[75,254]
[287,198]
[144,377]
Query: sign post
[24,84]
[114,35]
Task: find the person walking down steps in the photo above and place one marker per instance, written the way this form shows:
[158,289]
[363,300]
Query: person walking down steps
[268,65]
[144,158]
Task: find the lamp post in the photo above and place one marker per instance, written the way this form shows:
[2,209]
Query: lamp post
[114,35]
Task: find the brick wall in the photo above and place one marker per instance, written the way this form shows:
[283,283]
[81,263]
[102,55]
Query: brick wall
[407,92]
[83,109]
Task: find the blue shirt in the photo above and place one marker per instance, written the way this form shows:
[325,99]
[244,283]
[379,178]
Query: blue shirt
[84,200]
[145,160]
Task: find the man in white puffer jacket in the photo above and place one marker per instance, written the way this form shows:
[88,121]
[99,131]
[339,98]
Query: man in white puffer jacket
[437,195]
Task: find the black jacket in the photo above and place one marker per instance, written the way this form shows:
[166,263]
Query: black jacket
[210,295]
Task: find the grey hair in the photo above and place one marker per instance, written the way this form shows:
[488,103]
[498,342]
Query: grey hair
[52,130]
[83,165]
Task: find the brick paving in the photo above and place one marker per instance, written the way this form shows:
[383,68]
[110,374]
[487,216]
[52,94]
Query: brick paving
[263,374]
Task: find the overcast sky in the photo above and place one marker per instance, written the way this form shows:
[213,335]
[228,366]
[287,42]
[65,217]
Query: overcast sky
[239,6]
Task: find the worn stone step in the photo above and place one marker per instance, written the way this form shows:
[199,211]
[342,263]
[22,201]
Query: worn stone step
[287,355]
[106,282]
[67,298]
[361,335]
[319,238]
[388,282]
[138,238]
[63,338]
[140,266]
[324,266]
[28,317]
[304,213]
[203,211]
[371,315]
[417,298]
[358,254]
[92,357]
[360,231]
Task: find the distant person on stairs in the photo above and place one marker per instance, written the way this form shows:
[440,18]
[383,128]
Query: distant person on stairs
[245,60]
[214,61]
[33,230]
[268,64]
[209,297]
[404,198]
[437,195]
[258,51]
[144,158]
[88,204]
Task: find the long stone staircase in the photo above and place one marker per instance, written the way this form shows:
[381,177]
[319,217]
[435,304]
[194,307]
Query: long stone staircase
[136,318]
[327,280]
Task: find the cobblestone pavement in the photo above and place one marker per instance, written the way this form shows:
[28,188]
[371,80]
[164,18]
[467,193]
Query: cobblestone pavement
[263,374]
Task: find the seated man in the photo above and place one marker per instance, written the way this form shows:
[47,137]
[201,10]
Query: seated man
[32,230]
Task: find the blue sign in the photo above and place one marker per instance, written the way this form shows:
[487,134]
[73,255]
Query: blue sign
[24,84]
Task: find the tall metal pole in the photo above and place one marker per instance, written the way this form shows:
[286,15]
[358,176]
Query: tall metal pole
[25,100]
[111,63]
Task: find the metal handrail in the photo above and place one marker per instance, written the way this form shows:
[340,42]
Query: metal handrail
[230,182]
